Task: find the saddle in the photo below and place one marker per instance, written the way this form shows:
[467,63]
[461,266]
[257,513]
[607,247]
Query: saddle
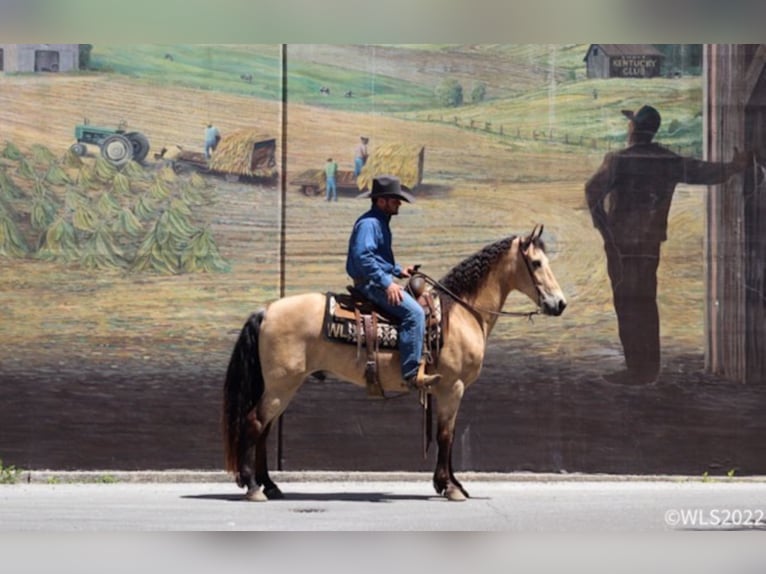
[353,319]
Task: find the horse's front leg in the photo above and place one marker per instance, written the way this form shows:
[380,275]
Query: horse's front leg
[444,479]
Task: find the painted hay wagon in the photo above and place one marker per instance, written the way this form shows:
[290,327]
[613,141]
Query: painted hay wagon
[312,182]
[402,160]
[241,155]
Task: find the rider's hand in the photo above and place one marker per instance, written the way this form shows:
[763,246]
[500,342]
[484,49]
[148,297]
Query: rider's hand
[394,294]
[409,271]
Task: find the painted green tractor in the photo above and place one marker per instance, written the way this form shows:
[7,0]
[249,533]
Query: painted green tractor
[118,146]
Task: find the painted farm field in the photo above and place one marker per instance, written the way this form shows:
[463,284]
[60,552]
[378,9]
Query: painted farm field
[143,353]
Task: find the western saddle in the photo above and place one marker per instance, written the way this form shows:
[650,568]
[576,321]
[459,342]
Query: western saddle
[353,318]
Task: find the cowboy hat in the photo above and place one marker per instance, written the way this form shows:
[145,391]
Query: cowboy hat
[389,186]
[646,119]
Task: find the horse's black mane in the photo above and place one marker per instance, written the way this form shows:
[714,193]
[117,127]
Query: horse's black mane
[466,277]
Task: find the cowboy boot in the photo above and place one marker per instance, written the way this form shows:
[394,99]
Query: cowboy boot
[420,380]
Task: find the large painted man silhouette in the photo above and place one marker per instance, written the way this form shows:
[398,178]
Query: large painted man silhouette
[629,199]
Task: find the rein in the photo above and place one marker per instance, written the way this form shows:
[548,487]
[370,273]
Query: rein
[467,305]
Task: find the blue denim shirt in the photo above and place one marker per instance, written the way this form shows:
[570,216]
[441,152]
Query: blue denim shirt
[370,256]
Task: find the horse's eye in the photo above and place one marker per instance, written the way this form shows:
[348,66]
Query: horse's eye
[536,265]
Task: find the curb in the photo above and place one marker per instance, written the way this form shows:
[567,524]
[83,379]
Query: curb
[202,476]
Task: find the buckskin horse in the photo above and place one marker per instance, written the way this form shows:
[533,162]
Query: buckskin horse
[282,344]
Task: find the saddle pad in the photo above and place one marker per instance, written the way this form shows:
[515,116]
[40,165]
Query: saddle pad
[340,325]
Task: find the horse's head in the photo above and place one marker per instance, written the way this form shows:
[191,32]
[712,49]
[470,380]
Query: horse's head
[539,284]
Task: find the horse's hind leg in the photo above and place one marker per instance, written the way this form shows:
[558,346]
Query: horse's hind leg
[253,470]
[246,477]
[272,405]
[262,478]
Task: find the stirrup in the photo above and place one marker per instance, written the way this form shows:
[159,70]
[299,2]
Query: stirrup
[421,381]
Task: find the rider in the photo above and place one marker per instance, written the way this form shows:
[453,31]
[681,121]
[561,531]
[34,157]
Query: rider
[370,263]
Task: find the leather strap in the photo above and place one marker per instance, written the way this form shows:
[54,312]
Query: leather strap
[359,331]
[426,402]
[371,366]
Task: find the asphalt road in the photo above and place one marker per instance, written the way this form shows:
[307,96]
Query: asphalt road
[518,506]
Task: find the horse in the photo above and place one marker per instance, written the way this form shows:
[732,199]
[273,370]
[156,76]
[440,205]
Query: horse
[280,345]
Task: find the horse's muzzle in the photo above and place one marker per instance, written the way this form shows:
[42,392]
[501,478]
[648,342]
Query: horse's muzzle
[553,306]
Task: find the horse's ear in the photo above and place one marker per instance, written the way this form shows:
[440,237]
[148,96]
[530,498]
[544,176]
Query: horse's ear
[532,237]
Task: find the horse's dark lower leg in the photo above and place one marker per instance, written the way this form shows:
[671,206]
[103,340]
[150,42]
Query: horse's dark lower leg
[270,489]
[456,482]
[441,474]
[246,473]
[247,450]
[253,468]
[444,478]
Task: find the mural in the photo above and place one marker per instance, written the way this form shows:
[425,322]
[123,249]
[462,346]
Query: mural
[131,260]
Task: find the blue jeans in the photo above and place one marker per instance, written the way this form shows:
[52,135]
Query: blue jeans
[332,190]
[358,165]
[412,325]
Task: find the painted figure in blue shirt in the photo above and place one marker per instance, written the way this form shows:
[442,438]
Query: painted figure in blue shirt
[212,137]
[371,265]
[331,172]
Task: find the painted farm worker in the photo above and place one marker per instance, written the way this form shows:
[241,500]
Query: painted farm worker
[212,137]
[360,155]
[330,172]
[371,265]
[629,199]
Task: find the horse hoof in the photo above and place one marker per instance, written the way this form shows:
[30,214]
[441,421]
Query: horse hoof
[273,493]
[454,494]
[255,495]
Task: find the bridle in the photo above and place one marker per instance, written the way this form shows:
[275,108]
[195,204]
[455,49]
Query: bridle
[523,246]
[478,310]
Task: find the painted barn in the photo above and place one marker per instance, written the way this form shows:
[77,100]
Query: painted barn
[623,61]
[735,114]
[39,57]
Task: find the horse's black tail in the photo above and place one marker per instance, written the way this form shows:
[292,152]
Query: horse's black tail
[243,388]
